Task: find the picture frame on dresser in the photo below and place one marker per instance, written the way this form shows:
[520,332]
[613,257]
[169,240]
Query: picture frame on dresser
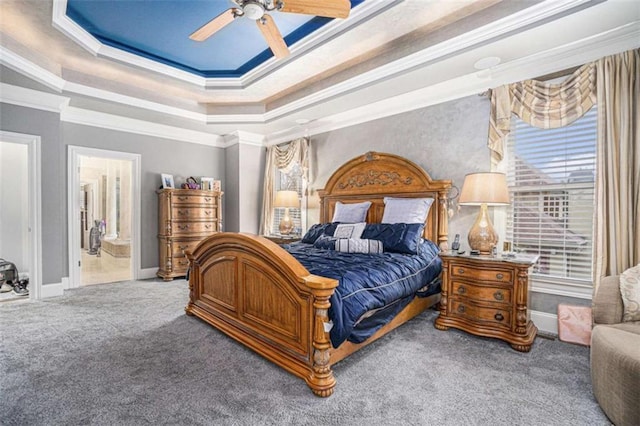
[206,183]
[167,181]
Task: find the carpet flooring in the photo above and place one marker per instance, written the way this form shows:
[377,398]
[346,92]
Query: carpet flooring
[126,354]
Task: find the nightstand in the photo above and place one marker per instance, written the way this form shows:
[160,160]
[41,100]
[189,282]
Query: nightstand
[282,239]
[488,296]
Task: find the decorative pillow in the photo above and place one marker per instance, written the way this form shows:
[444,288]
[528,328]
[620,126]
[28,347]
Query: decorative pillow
[630,291]
[318,230]
[349,230]
[325,242]
[352,245]
[396,237]
[406,210]
[351,213]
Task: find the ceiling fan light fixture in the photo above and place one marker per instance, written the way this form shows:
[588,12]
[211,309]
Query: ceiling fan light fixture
[253,10]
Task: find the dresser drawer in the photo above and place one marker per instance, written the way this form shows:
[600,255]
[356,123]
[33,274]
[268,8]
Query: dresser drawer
[480,293]
[180,264]
[492,316]
[194,228]
[496,275]
[184,213]
[193,198]
[178,248]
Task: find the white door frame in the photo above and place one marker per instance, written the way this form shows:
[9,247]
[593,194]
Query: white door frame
[35,208]
[73,199]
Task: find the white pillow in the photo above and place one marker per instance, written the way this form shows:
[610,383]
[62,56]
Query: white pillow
[406,210]
[349,230]
[352,245]
[630,291]
[351,213]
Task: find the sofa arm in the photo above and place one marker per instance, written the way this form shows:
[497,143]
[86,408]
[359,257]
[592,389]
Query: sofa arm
[607,302]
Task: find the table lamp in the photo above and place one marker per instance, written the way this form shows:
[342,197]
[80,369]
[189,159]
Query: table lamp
[286,199]
[484,189]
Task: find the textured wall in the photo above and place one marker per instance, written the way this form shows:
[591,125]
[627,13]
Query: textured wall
[447,140]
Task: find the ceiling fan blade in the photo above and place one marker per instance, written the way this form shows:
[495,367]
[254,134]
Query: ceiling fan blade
[216,24]
[326,8]
[272,34]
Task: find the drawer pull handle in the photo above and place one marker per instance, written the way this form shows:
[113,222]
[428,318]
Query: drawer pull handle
[207,212]
[183,247]
[499,276]
[498,295]
[183,212]
[183,227]
[462,290]
[182,198]
[461,309]
[207,198]
[460,271]
[498,316]
[207,226]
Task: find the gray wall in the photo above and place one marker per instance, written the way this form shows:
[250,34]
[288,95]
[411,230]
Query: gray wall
[47,126]
[245,170]
[447,140]
[158,156]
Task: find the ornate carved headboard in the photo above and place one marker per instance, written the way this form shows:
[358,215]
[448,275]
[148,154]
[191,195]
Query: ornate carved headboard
[376,175]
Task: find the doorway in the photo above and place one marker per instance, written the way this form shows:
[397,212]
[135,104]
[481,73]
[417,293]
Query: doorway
[20,244]
[105,191]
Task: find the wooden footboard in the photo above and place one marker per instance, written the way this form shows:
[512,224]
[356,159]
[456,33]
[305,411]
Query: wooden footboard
[257,293]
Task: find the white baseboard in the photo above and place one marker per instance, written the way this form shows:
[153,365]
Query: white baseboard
[65,283]
[145,274]
[52,290]
[546,323]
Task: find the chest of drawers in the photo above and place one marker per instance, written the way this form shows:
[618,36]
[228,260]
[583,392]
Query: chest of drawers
[488,297]
[185,217]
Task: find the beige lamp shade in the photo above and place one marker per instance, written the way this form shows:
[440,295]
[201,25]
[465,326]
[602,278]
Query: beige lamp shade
[287,199]
[484,188]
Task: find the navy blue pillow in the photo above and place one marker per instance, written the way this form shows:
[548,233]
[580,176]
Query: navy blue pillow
[325,242]
[319,229]
[396,237]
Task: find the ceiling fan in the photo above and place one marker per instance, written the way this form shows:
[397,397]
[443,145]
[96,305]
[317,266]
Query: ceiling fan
[257,10]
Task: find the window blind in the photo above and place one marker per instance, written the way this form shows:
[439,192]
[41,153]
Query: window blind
[551,178]
[291,182]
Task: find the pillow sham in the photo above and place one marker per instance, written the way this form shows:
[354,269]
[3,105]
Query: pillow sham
[349,230]
[396,237]
[353,245]
[406,210]
[351,213]
[318,230]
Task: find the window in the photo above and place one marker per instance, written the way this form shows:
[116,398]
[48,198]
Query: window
[291,181]
[551,177]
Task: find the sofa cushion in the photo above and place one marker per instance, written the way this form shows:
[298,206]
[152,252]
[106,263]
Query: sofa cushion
[630,291]
[629,327]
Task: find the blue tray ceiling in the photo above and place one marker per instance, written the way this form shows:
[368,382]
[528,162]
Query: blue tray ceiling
[159,30]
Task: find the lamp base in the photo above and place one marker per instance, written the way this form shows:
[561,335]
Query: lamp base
[286,224]
[482,236]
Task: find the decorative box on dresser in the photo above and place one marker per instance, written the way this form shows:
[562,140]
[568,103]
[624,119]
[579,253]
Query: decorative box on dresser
[488,296]
[185,217]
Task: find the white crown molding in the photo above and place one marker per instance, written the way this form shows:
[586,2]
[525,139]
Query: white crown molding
[29,69]
[30,98]
[243,138]
[132,101]
[577,53]
[475,38]
[78,34]
[130,125]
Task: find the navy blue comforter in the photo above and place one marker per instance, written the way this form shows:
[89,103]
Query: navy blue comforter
[372,288]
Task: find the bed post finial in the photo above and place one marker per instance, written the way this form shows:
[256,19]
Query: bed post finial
[322,381]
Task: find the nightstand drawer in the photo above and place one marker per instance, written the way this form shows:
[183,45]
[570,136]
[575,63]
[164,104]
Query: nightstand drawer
[497,275]
[478,314]
[485,294]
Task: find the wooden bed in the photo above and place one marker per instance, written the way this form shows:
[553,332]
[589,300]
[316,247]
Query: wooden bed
[257,293]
